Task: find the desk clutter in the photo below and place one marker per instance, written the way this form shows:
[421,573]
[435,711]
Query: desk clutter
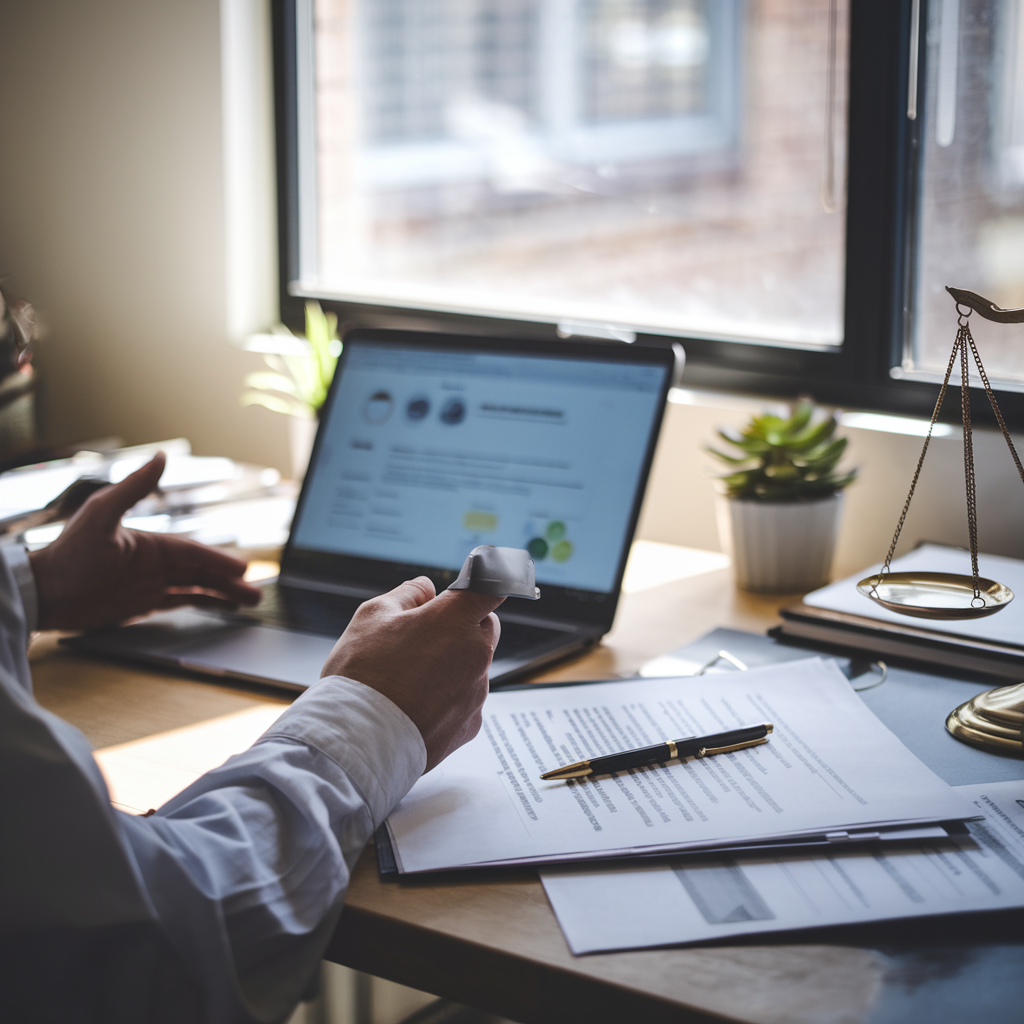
[807,830]
[209,499]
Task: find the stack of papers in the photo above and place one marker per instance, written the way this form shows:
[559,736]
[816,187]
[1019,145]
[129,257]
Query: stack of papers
[831,773]
[641,905]
[840,615]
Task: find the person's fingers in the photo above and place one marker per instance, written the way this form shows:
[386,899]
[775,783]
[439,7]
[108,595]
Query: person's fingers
[105,508]
[411,594]
[191,564]
[466,604]
[474,722]
[178,599]
[236,590]
[201,579]
[491,625]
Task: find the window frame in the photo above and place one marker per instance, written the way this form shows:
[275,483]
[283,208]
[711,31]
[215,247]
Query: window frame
[881,226]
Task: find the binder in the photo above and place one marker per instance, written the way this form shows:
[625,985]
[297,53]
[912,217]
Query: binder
[839,617]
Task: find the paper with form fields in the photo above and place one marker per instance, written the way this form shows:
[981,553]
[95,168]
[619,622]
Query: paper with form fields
[830,765]
[693,901]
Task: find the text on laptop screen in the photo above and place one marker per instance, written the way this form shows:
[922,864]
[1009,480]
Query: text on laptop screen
[427,453]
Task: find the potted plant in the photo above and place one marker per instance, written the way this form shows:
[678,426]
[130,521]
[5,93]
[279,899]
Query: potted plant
[297,382]
[778,515]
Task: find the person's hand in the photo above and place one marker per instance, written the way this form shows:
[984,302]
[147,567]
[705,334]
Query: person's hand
[98,573]
[430,655]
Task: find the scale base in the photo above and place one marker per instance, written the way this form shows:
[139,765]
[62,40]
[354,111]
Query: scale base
[994,720]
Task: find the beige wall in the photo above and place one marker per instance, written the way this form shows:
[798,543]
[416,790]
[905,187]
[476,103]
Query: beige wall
[112,220]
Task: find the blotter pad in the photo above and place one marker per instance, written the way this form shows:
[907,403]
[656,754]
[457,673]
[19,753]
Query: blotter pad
[498,572]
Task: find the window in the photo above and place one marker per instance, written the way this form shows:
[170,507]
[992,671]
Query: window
[972,184]
[655,164]
[481,92]
[786,185]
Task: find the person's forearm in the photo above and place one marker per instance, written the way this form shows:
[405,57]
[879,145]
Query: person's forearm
[17,559]
[248,867]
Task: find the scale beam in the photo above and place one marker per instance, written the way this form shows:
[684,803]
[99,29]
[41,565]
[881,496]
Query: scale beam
[985,307]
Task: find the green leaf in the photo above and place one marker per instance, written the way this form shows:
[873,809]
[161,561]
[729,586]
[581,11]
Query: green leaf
[827,455]
[276,403]
[321,333]
[755,446]
[265,381]
[786,459]
[730,459]
[815,434]
[800,416]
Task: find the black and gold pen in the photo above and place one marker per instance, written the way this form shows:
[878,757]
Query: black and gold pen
[670,750]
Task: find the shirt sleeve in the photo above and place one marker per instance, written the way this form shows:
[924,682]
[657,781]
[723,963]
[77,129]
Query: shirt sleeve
[16,557]
[248,867]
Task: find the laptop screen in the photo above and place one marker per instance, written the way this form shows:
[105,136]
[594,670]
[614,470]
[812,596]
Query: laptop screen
[426,450]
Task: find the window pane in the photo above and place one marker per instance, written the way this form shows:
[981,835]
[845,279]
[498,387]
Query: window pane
[971,231]
[674,165]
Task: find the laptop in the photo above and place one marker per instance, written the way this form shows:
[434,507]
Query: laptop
[428,445]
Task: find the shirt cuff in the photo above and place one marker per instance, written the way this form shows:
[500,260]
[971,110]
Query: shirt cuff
[16,556]
[367,735]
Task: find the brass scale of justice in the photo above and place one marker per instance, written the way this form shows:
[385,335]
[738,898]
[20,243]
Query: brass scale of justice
[993,720]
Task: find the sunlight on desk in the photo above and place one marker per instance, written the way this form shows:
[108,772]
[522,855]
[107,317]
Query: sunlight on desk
[148,772]
[259,569]
[651,564]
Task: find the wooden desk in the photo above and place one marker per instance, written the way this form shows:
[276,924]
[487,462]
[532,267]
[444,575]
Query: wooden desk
[491,941]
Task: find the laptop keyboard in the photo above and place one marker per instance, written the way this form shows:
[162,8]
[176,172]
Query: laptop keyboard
[517,638]
[311,611]
[314,611]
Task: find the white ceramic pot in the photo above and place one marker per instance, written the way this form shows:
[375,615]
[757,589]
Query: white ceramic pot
[780,547]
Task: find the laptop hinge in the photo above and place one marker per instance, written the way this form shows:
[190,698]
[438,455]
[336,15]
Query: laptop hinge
[364,593]
[506,612]
[329,586]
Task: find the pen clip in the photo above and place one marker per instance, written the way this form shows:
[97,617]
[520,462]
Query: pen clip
[708,751]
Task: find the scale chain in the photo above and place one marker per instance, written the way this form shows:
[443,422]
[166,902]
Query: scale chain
[969,480]
[924,452]
[995,406]
[964,342]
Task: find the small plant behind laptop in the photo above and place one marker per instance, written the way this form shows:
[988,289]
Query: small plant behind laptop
[778,515]
[300,375]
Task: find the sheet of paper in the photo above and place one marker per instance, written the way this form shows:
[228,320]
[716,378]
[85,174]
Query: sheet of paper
[693,901]
[830,764]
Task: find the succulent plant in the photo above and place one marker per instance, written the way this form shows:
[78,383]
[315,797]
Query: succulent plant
[296,385]
[785,459]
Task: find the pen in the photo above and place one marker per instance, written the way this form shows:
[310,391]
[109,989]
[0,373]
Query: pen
[669,750]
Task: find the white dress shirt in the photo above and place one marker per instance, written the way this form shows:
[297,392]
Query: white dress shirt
[218,907]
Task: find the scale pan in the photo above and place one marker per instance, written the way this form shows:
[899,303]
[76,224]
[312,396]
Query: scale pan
[935,595]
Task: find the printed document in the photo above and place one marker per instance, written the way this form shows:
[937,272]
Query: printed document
[668,903]
[830,765]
